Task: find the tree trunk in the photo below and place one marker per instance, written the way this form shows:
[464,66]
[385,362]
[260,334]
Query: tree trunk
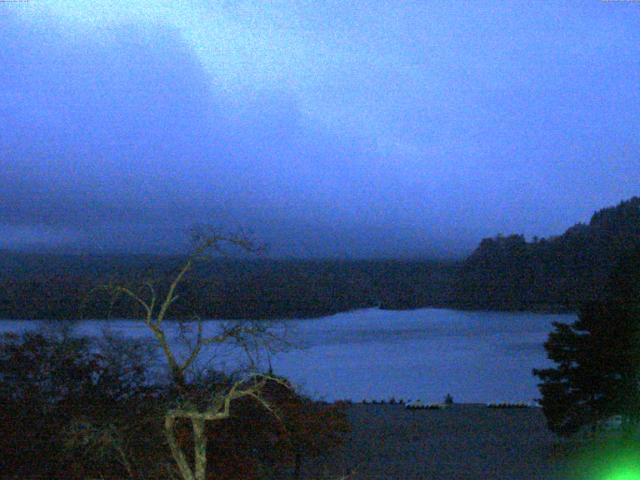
[178,455]
[200,448]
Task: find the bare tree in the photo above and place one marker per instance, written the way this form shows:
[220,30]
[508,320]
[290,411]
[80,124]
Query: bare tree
[249,336]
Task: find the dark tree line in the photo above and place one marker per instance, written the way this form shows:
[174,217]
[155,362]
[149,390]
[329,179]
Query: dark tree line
[503,273]
[232,289]
[597,372]
[559,273]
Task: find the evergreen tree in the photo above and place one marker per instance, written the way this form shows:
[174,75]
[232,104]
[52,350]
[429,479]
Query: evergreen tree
[598,359]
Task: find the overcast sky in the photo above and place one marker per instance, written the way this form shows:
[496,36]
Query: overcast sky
[329,128]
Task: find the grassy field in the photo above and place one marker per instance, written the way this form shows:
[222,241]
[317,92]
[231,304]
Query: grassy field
[461,442]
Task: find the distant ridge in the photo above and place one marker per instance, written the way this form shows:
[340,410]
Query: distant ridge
[555,274]
[48,286]
[558,273]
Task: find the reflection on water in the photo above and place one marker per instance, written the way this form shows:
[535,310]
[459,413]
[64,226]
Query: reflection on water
[376,354]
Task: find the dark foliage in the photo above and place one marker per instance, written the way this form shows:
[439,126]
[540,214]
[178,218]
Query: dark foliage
[59,287]
[69,412]
[559,273]
[49,386]
[597,357]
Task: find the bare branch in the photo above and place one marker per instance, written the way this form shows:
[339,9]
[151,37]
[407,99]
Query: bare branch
[206,238]
[152,305]
[248,336]
[196,349]
[132,295]
[170,297]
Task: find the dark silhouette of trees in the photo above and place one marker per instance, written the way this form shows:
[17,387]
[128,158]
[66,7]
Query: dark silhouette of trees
[558,273]
[71,412]
[504,273]
[598,359]
[54,390]
[62,287]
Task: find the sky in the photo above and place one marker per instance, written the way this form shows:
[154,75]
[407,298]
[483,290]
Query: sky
[327,128]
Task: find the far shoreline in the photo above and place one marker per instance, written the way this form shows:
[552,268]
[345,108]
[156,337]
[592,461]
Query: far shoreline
[536,310]
[459,308]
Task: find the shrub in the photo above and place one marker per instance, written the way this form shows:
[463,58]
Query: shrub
[71,412]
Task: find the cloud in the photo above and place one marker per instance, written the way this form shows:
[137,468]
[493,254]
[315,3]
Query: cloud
[369,129]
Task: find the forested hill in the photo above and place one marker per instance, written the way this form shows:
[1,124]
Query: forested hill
[503,273]
[63,286]
[507,272]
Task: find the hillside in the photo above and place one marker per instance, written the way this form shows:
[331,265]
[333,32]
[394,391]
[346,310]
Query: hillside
[62,286]
[557,273]
[503,273]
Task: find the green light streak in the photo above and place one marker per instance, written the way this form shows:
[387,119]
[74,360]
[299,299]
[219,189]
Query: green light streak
[624,472]
[603,459]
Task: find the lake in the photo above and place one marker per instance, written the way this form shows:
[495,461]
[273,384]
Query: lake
[414,354]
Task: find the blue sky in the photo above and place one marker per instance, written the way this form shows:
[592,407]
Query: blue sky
[349,129]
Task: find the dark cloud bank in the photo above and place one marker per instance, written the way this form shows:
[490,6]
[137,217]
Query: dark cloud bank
[122,146]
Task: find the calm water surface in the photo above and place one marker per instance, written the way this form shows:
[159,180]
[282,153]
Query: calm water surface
[417,354]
